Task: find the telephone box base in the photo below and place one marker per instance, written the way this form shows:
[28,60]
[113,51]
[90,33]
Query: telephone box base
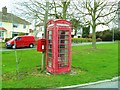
[59,71]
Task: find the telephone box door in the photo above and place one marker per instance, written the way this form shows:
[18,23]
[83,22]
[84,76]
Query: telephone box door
[58,46]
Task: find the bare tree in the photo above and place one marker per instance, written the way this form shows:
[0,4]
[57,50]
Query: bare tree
[118,13]
[31,9]
[40,10]
[94,13]
[35,9]
[60,9]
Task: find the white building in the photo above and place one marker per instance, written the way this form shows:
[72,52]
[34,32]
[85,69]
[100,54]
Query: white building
[11,25]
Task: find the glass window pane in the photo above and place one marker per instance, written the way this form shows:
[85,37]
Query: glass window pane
[0,23]
[49,62]
[50,37]
[24,26]
[49,41]
[15,25]
[63,32]
[49,59]
[63,48]
[49,46]
[49,32]
[1,34]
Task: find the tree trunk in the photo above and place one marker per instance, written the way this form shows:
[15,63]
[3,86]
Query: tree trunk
[75,31]
[65,7]
[64,10]
[94,26]
[45,27]
[93,37]
[64,14]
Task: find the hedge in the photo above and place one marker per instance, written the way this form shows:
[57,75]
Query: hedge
[7,39]
[80,40]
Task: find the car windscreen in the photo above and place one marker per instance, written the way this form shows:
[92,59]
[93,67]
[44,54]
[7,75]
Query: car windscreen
[14,38]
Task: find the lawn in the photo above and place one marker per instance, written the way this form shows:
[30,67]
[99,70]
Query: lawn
[2,44]
[88,65]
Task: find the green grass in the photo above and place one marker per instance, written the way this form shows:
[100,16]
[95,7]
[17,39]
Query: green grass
[2,44]
[88,65]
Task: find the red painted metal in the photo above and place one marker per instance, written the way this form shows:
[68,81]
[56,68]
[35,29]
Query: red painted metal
[58,46]
[41,45]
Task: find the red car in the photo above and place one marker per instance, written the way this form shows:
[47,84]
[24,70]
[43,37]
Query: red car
[21,41]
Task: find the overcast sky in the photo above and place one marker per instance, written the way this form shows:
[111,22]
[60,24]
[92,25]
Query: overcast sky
[9,3]
[10,6]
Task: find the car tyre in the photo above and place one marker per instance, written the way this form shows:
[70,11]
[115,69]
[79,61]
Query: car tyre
[31,45]
[13,46]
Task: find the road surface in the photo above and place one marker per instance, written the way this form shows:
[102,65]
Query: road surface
[112,84]
[73,44]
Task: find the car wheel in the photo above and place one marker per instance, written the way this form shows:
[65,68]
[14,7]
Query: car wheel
[31,45]
[13,46]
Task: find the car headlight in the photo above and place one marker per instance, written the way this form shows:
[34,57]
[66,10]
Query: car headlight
[8,44]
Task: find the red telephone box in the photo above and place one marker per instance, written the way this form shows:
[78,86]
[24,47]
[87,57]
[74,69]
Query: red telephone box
[58,46]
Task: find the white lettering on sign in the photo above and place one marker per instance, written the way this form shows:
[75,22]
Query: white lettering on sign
[42,46]
[62,25]
[50,25]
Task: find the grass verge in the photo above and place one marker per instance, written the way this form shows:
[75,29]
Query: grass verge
[88,65]
[2,44]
